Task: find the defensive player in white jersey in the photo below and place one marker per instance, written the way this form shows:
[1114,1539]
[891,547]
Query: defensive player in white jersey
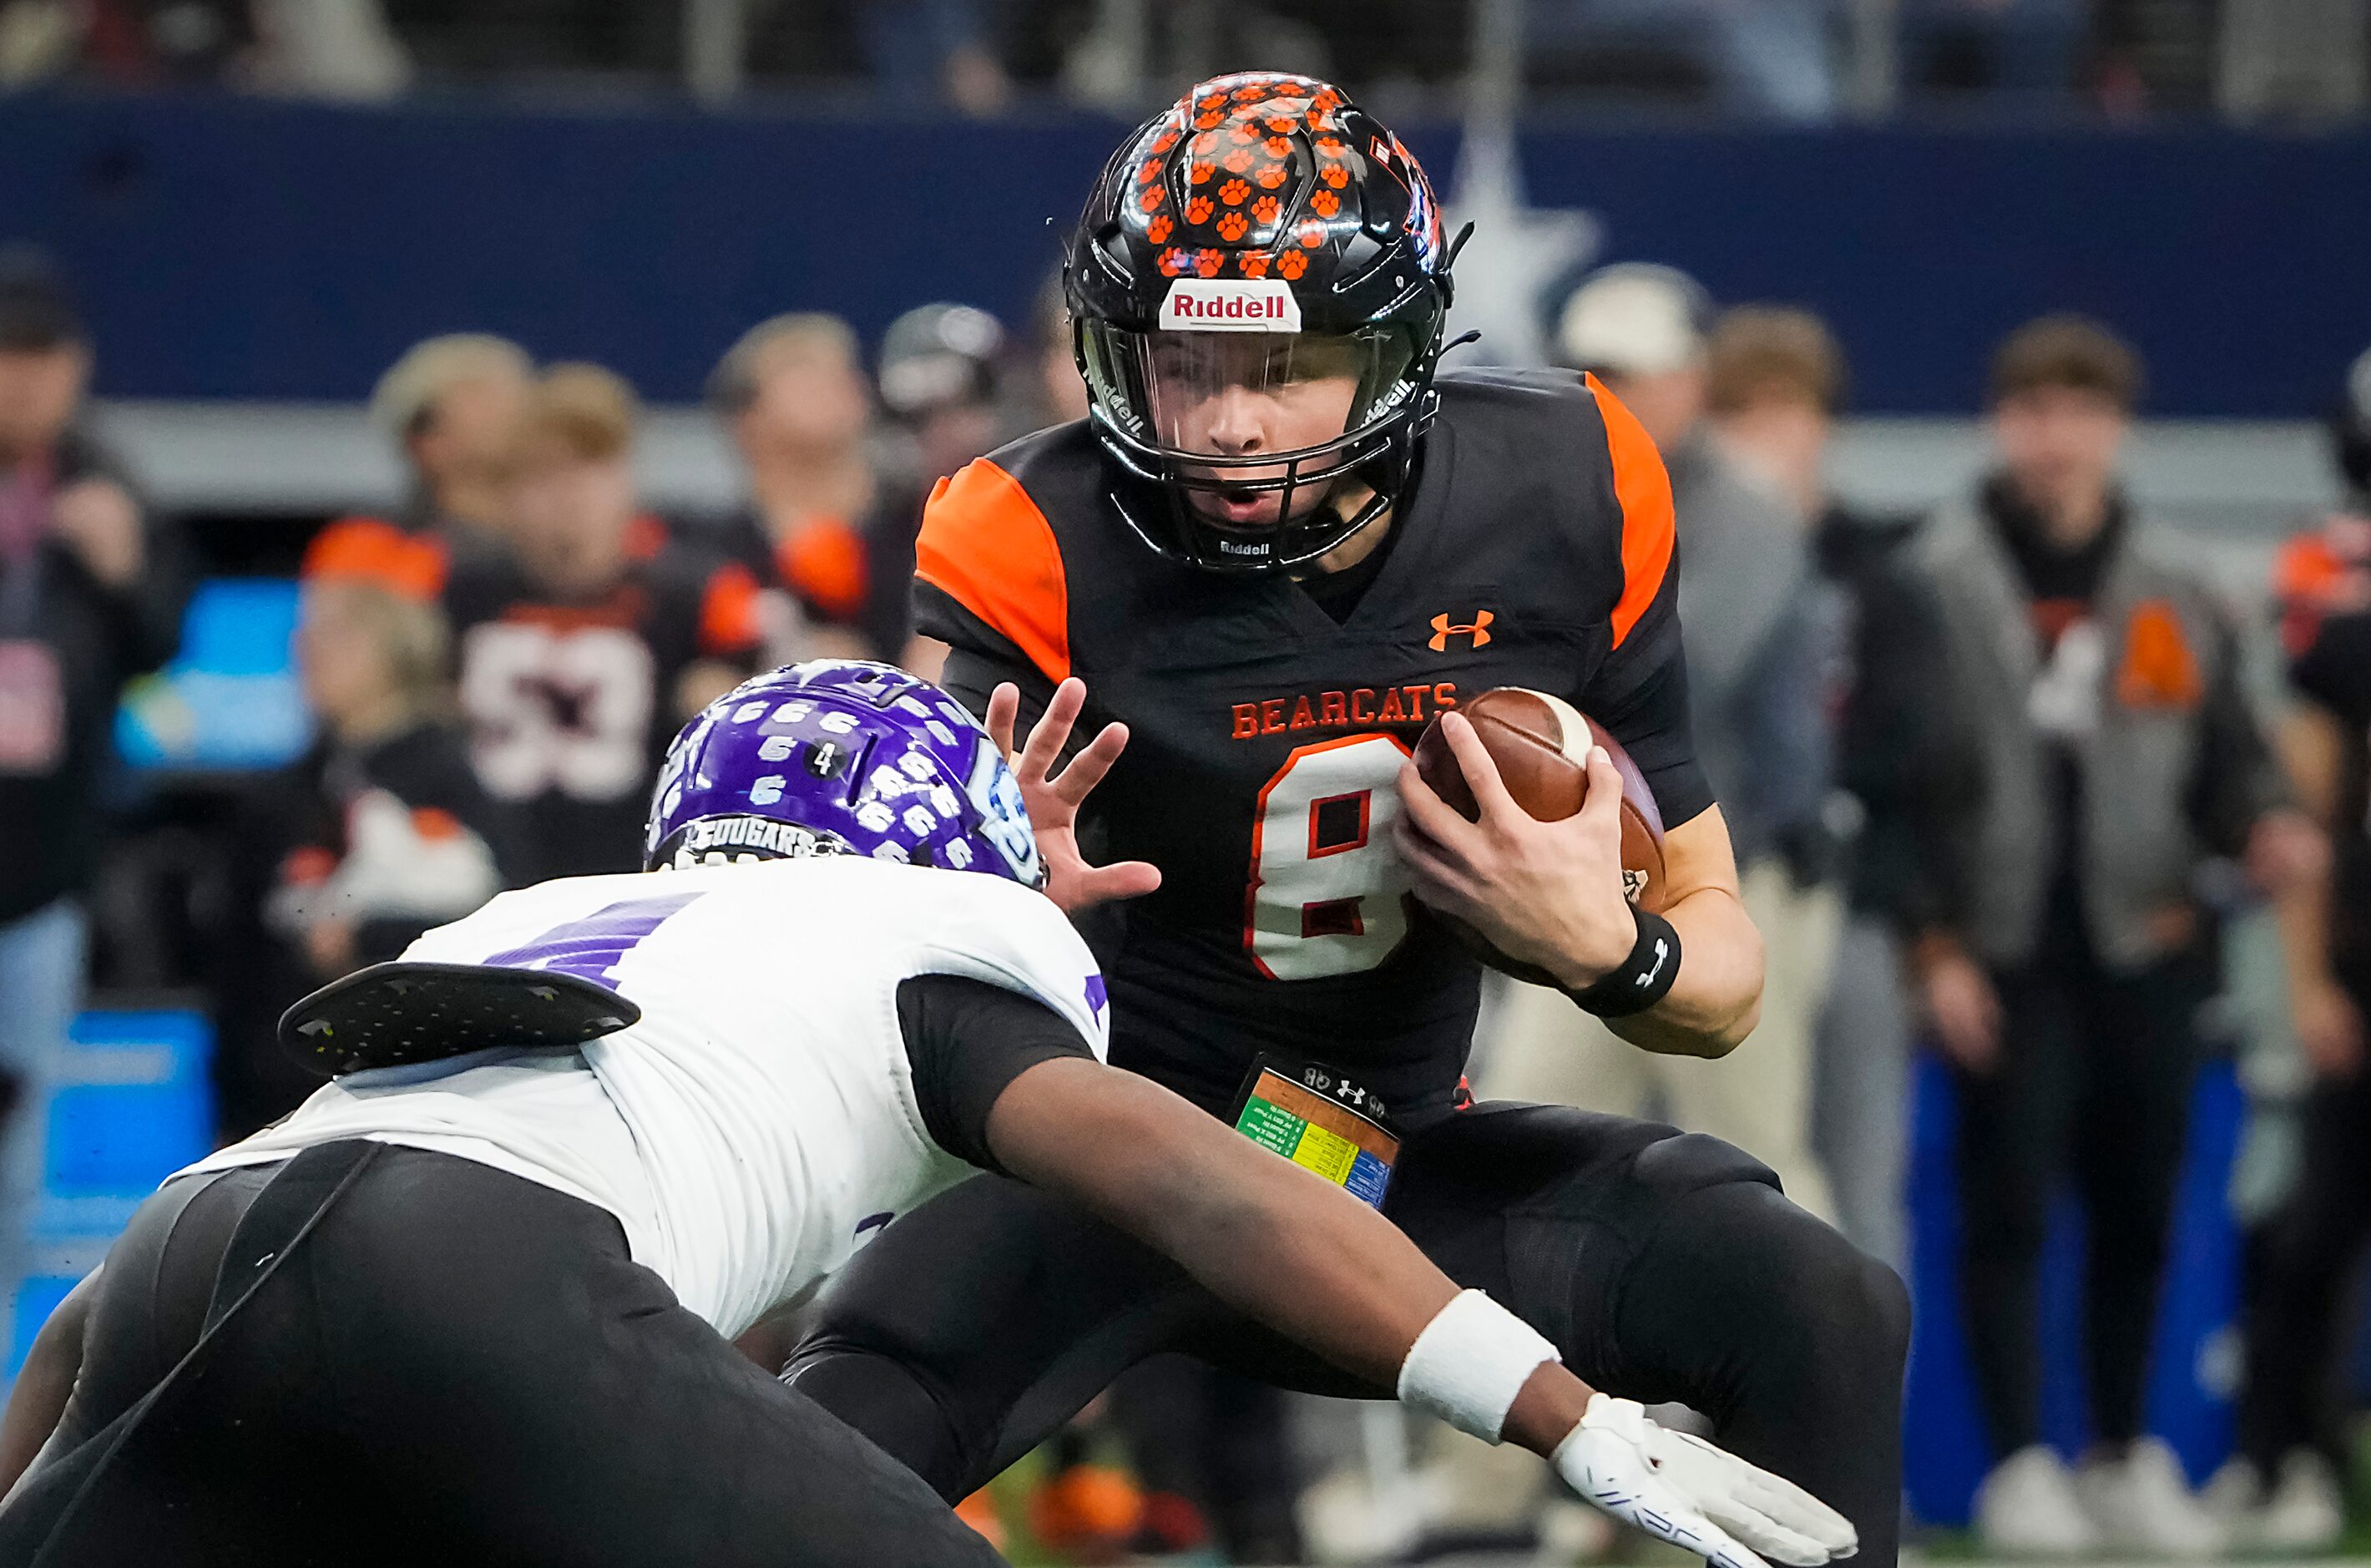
[474,1300]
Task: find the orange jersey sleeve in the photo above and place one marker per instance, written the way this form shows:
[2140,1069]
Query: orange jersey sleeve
[985,544]
[1648,527]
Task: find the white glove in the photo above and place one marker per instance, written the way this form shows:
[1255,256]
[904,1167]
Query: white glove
[1688,1493]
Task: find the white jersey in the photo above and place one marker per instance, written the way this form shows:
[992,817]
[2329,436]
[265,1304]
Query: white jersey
[760,1121]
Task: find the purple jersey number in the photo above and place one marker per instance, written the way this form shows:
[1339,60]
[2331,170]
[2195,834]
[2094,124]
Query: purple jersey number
[590,948]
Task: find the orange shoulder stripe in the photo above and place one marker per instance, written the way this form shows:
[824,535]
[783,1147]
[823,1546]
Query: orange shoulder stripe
[413,565]
[986,545]
[1644,490]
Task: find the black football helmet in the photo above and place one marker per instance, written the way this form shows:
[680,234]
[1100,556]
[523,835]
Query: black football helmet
[1263,233]
[2350,430]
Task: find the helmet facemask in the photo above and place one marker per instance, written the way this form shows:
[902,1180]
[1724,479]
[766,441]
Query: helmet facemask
[1261,443]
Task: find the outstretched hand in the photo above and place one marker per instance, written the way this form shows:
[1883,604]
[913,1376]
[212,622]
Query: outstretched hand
[1054,798]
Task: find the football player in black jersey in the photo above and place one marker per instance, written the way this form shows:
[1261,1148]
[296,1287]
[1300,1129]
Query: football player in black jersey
[1276,549]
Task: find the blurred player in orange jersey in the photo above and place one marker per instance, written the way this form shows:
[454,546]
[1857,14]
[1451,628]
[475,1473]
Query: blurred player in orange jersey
[584,644]
[2285,1492]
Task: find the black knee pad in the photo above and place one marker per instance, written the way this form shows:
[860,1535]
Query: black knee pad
[1795,1275]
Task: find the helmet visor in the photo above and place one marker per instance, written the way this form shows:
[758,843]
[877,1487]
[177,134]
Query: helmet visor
[1242,409]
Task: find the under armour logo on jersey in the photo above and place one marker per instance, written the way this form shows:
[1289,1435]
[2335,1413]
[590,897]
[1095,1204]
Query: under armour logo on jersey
[1478,629]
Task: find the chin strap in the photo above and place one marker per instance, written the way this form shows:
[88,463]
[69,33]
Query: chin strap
[1448,262]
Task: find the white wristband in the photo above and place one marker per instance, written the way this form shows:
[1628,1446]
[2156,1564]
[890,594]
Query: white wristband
[1471,1361]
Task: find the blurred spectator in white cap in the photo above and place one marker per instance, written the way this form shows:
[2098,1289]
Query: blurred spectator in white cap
[1776,381]
[450,405]
[1759,630]
[792,395]
[88,600]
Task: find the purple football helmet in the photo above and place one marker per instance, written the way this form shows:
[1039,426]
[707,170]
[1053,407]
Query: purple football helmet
[840,757]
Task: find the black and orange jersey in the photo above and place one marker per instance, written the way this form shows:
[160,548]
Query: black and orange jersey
[826,578]
[571,705]
[1536,549]
[2322,586]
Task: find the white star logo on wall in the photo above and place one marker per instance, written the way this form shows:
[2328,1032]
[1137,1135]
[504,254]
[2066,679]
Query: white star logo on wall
[1517,253]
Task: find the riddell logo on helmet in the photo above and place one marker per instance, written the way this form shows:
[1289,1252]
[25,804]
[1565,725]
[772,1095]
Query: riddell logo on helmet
[1228,305]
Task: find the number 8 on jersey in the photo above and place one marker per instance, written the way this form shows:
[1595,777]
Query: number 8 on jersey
[1328,889]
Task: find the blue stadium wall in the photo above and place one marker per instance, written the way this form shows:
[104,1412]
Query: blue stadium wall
[245,248]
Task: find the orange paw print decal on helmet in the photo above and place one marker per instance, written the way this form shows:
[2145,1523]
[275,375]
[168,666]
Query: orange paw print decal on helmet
[1232,226]
[1334,174]
[1176,263]
[1246,134]
[1163,143]
[1256,91]
[1198,173]
[1266,209]
[1208,263]
[1292,264]
[1158,229]
[1233,192]
[1278,147]
[1198,210]
[1254,263]
[1208,119]
[1148,170]
[1272,176]
[1281,125]
[1331,147]
[1238,160]
[1310,235]
[1151,201]
[1325,203]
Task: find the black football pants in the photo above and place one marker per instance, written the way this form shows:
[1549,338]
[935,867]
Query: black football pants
[455,1366]
[2093,1082]
[1665,1267]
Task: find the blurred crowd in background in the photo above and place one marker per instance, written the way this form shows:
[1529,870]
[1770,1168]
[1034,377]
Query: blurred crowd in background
[1998,778]
[1793,60]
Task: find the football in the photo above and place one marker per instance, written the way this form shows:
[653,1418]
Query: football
[1540,746]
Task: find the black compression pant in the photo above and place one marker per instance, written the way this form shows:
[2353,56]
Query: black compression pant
[1666,1267]
[457,1365]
